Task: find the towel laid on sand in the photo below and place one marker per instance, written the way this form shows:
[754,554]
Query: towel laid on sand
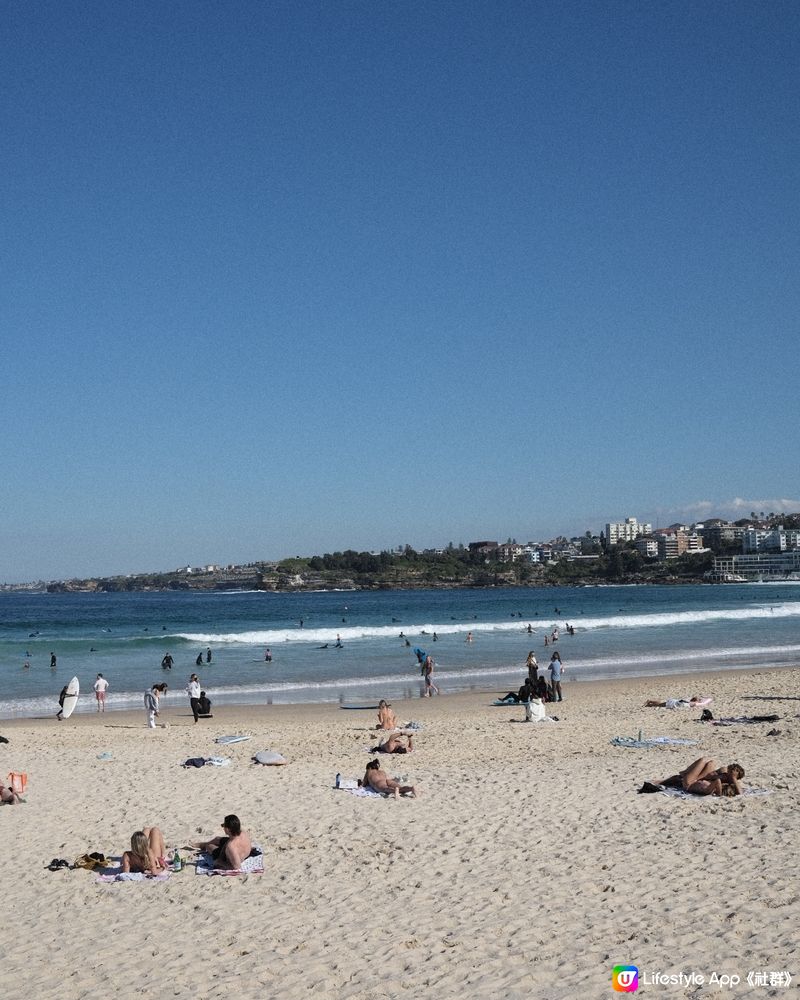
[362,793]
[744,720]
[651,741]
[133,877]
[679,793]
[254,865]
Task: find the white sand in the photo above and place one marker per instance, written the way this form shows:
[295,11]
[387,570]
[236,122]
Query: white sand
[528,867]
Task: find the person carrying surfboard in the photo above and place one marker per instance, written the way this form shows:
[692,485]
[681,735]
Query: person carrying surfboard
[61,698]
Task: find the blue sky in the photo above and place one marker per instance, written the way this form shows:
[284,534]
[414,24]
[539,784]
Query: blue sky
[285,278]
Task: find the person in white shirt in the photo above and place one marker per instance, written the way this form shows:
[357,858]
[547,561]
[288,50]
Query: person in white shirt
[193,690]
[100,688]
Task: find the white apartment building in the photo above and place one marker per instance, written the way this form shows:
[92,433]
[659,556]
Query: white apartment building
[770,540]
[626,531]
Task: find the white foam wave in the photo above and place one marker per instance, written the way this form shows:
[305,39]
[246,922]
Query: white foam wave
[351,633]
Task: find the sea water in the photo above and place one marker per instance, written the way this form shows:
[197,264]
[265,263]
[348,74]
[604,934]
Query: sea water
[619,631]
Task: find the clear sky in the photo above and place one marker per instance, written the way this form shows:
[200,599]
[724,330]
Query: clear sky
[280,278]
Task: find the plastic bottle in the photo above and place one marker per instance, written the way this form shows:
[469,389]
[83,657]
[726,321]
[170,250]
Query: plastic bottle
[177,863]
[338,780]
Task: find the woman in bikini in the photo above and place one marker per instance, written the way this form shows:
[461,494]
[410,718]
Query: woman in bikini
[703,777]
[147,852]
[379,781]
[386,717]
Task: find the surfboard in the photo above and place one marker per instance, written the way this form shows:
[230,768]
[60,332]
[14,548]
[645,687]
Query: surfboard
[71,699]
[357,708]
[231,739]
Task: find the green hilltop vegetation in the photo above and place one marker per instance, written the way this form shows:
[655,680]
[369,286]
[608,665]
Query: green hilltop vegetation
[406,569]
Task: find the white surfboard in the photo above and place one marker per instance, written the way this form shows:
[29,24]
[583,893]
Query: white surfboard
[71,699]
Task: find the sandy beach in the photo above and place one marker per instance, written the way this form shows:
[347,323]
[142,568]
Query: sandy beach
[528,867]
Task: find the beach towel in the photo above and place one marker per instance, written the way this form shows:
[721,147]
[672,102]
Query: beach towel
[651,741]
[743,720]
[133,877]
[254,865]
[363,793]
[679,793]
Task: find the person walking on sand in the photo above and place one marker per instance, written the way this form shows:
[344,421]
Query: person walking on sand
[427,672]
[61,698]
[194,692]
[151,706]
[100,688]
[555,668]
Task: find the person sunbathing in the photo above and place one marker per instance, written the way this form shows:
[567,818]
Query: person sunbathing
[379,781]
[703,777]
[8,797]
[676,703]
[232,849]
[395,744]
[147,852]
[386,717]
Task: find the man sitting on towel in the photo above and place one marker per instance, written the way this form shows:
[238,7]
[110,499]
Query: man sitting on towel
[231,850]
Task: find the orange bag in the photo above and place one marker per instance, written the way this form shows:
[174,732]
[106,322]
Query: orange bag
[18,782]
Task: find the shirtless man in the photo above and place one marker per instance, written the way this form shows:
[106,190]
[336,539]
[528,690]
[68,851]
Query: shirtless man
[380,781]
[703,777]
[231,850]
[395,744]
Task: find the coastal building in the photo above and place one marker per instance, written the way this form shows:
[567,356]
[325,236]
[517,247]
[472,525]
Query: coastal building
[673,542]
[510,551]
[718,534]
[626,531]
[757,565]
[648,547]
[770,540]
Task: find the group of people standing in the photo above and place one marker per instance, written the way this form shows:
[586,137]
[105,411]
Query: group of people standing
[536,685]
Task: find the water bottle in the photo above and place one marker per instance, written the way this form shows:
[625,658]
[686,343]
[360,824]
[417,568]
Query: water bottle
[177,863]
[338,780]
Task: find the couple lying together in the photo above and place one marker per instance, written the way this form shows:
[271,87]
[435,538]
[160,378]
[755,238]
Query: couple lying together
[148,853]
[703,777]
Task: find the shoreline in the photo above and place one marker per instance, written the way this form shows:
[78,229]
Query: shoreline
[523,837]
[177,709]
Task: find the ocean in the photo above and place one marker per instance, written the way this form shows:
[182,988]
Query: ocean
[619,631]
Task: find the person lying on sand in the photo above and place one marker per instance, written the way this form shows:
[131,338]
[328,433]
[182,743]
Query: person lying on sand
[146,853]
[231,850]
[676,703]
[395,744]
[386,717]
[379,781]
[703,777]
[8,797]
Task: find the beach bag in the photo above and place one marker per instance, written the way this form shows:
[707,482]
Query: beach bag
[18,782]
